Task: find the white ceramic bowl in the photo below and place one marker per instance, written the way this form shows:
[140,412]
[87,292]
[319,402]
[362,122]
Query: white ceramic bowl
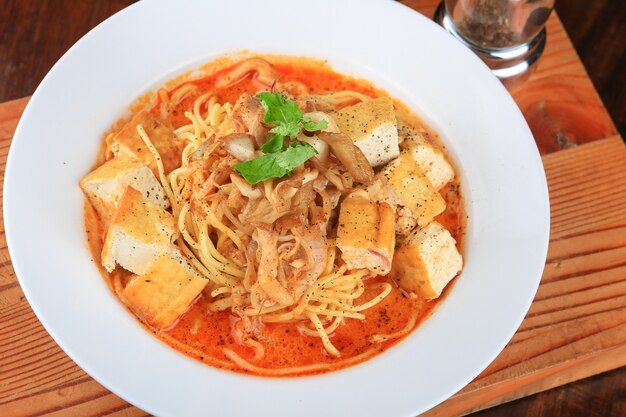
[402,52]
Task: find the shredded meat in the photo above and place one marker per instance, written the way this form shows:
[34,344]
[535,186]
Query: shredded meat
[317,258]
[350,156]
[266,285]
[249,112]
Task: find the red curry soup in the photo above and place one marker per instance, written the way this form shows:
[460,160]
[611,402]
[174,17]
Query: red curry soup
[275,217]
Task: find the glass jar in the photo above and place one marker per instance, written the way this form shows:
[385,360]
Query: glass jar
[509,35]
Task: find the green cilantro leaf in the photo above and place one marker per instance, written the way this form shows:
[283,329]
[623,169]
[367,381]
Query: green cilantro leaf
[286,115]
[280,159]
[276,165]
[310,126]
[274,145]
[281,112]
[290,129]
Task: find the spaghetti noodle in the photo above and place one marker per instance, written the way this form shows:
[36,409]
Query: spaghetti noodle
[268,251]
[329,299]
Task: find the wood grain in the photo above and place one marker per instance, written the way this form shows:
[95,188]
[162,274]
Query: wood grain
[558,101]
[575,328]
[598,32]
[34,34]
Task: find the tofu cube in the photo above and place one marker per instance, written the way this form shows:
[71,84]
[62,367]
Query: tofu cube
[105,185]
[373,128]
[127,142]
[366,233]
[430,159]
[139,233]
[426,261]
[405,184]
[162,293]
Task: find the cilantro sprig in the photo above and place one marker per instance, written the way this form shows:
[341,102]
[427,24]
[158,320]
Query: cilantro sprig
[287,118]
[280,158]
[276,165]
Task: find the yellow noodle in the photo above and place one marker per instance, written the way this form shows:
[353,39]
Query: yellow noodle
[345,314]
[313,332]
[182,92]
[238,360]
[159,163]
[196,352]
[196,109]
[325,304]
[259,350]
[208,260]
[387,289]
[183,228]
[323,335]
[379,338]
[196,126]
[220,291]
[221,304]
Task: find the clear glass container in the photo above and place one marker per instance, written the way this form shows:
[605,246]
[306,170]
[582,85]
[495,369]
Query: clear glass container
[509,35]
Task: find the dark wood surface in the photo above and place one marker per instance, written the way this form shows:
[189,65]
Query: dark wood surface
[598,31]
[35,33]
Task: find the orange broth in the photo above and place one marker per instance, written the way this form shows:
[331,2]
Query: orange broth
[203,334]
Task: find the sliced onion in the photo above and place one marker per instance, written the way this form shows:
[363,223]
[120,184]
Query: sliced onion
[266,74]
[239,145]
[318,116]
[320,146]
[350,156]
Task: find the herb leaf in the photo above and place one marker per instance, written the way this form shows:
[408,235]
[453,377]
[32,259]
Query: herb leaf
[276,165]
[274,145]
[290,129]
[281,112]
[310,126]
[286,115]
[280,159]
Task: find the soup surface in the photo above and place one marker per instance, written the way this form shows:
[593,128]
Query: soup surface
[275,217]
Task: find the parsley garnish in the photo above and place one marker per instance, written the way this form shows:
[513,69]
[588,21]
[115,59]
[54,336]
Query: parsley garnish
[287,118]
[280,159]
[276,165]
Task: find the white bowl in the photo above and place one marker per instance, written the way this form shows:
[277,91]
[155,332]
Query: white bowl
[91,86]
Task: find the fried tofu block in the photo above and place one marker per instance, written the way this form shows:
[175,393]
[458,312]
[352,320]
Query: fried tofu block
[365,233]
[164,291]
[405,184]
[139,233]
[127,142]
[426,261]
[105,185]
[429,158]
[373,128]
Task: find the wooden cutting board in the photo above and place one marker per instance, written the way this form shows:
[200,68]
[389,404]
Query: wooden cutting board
[575,328]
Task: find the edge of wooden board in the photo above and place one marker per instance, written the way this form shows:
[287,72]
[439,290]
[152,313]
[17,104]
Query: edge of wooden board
[462,404]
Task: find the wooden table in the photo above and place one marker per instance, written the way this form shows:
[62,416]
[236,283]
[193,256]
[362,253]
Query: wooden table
[575,328]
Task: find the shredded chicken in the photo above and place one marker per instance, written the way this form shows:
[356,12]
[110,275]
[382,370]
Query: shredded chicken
[317,253]
[249,112]
[267,286]
[350,156]
[275,234]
